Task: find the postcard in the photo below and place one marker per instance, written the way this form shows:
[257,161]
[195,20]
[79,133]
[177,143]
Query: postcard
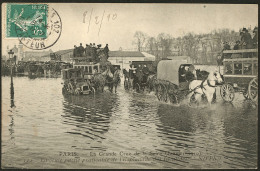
[129,86]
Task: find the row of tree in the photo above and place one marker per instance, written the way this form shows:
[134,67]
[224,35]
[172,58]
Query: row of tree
[201,48]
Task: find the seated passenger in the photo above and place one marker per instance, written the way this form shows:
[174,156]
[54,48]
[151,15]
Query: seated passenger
[255,37]
[238,68]
[237,45]
[226,46]
[182,73]
[247,69]
[228,70]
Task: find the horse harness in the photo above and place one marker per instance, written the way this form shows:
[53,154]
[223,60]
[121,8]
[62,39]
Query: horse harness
[202,85]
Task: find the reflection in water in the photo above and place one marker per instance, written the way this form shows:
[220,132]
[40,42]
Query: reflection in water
[12,92]
[211,133]
[45,123]
[90,114]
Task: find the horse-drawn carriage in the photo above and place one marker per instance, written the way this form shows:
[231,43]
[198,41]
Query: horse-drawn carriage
[138,76]
[177,79]
[170,85]
[74,82]
[88,77]
[240,74]
[34,68]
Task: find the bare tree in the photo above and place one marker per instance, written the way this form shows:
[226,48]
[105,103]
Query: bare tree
[140,39]
[165,42]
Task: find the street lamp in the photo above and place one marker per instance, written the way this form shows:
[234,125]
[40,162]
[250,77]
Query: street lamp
[11,53]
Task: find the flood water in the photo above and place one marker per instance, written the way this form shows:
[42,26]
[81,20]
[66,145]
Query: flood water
[46,129]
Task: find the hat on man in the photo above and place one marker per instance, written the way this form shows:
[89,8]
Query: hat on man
[244,29]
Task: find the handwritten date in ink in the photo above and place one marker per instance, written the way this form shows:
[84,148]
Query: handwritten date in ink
[98,19]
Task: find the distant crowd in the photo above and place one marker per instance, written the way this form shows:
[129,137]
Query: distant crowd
[246,40]
[91,50]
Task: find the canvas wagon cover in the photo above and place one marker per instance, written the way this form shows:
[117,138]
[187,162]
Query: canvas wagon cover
[169,70]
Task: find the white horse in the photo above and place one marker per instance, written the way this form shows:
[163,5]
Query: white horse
[206,87]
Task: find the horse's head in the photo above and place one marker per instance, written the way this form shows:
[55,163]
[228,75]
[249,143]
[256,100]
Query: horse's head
[215,76]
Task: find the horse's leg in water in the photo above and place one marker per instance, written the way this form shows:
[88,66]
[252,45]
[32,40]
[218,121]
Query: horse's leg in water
[115,85]
[110,86]
[209,97]
[214,97]
[102,88]
[197,97]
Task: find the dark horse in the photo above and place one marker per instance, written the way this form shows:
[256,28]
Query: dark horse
[107,78]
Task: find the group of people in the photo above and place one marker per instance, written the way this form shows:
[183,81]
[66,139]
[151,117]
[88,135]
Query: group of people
[139,74]
[91,50]
[246,41]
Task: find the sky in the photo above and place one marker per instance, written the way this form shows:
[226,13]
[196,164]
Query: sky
[121,21]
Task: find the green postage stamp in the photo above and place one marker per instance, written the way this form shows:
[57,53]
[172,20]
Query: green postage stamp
[26,20]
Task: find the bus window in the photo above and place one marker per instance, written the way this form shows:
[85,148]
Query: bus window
[82,68]
[247,70]
[228,68]
[90,69]
[255,70]
[96,68]
[238,68]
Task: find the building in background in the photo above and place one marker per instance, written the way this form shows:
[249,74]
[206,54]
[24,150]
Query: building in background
[122,58]
[33,55]
[125,58]
[36,55]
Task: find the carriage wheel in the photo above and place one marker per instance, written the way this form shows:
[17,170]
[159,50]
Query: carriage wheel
[173,98]
[159,92]
[165,96]
[227,92]
[245,94]
[70,88]
[253,90]
[126,85]
[93,90]
[77,92]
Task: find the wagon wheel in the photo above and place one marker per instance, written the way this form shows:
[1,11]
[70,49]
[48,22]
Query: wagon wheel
[165,96]
[93,90]
[70,88]
[77,91]
[227,92]
[173,98]
[245,94]
[159,92]
[253,90]
[162,93]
